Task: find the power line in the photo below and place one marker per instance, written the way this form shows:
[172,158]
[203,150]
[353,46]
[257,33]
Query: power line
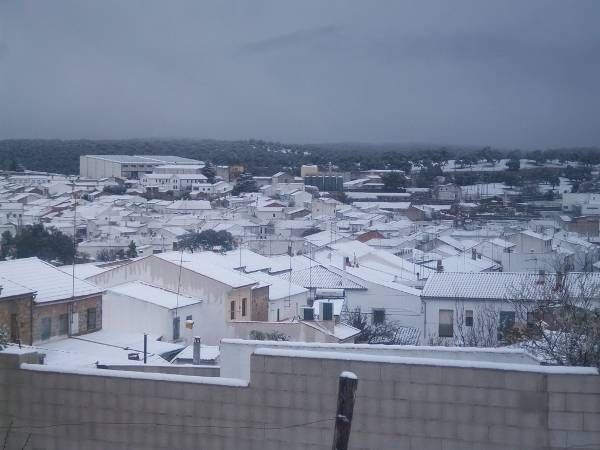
[265,427]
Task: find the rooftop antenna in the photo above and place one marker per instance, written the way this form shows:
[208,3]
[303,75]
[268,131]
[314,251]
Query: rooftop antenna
[74,237]
[290,251]
[179,283]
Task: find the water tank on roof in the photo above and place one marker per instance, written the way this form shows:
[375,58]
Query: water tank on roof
[329,293]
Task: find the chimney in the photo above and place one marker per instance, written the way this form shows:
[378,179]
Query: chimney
[473,253]
[196,358]
[440,267]
[541,276]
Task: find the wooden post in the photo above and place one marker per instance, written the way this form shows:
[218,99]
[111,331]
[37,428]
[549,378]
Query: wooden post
[145,347]
[345,408]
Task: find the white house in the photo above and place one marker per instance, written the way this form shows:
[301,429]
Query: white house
[140,307]
[226,294]
[456,304]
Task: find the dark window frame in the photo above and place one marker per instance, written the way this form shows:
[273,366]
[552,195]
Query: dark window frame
[469,317]
[446,330]
[91,312]
[378,316]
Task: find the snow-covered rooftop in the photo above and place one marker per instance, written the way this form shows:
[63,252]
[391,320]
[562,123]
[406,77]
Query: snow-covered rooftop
[50,283]
[201,263]
[9,288]
[501,285]
[155,295]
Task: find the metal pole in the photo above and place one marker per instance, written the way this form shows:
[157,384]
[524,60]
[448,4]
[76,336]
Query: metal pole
[145,347]
[345,408]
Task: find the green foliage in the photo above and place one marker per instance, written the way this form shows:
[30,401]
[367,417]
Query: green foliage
[209,172]
[132,250]
[114,190]
[207,240]
[34,240]
[110,254]
[513,164]
[245,183]
[7,244]
[258,335]
[393,181]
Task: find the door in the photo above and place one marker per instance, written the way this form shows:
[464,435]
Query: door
[74,323]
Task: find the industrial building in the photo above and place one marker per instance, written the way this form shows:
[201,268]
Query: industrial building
[127,166]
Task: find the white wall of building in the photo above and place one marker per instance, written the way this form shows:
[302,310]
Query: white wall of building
[215,296]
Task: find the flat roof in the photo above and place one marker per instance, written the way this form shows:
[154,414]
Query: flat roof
[145,159]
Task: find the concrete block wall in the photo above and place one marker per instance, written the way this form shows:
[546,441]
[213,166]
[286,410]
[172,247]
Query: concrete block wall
[402,403]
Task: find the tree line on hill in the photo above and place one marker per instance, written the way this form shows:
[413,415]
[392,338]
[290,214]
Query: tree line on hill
[265,158]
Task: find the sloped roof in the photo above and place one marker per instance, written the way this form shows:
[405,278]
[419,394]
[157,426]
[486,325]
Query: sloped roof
[320,277]
[9,288]
[155,295]
[50,283]
[202,263]
[501,285]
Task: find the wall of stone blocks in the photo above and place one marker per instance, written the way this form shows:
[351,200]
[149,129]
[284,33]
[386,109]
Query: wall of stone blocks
[290,404]
[20,306]
[55,310]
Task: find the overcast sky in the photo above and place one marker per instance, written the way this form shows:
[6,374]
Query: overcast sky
[502,73]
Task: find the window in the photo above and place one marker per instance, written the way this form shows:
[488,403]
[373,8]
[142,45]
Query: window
[46,326]
[176,323]
[63,324]
[243,307]
[378,316]
[506,323]
[188,317]
[469,317]
[446,324]
[232,310]
[530,319]
[91,319]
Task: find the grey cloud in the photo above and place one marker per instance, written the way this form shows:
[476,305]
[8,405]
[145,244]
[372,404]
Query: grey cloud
[512,73]
[299,37]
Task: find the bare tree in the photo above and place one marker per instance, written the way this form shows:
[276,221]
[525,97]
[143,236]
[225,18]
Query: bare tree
[389,332]
[560,318]
[480,328]
[3,337]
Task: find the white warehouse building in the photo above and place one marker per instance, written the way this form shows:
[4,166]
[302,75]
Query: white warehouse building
[127,166]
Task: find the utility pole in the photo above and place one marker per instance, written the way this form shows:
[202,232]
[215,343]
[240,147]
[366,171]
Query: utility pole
[345,408]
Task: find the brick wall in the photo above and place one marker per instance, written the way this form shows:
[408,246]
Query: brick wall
[55,310]
[290,403]
[260,304]
[21,306]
